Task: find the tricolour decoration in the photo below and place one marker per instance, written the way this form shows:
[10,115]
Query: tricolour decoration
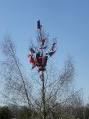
[40,57]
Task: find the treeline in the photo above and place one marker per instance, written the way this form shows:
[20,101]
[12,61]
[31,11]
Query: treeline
[69,112]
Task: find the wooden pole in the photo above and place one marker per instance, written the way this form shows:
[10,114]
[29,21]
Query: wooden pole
[43,95]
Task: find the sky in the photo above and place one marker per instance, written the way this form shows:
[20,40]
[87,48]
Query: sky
[67,20]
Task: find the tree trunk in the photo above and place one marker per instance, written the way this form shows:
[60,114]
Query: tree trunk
[43,95]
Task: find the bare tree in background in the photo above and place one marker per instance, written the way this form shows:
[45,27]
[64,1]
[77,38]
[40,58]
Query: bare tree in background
[17,87]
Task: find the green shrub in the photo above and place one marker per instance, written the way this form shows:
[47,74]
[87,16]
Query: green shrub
[25,113]
[5,113]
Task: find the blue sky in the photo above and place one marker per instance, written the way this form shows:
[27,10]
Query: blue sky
[68,20]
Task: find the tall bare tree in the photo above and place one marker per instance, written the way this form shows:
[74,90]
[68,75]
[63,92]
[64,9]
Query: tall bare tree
[16,83]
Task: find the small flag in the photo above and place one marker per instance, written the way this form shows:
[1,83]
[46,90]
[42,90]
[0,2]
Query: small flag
[32,50]
[38,24]
[51,53]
